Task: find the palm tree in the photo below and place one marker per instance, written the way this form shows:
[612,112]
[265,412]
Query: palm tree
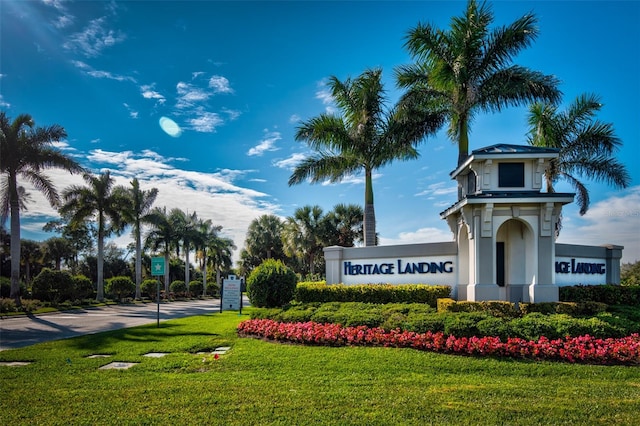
[186,226]
[141,202]
[162,234]
[344,225]
[366,137]
[219,255]
[57,249]
[25,152]
[586,146]
[99,199]
[263,237]
[302,234]
[207,234]
[469,69]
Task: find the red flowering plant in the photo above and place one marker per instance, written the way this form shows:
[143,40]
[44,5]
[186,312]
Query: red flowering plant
[582,349]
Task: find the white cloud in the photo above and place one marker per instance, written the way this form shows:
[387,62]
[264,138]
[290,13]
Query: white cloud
[205,122]
[231,113]
[100,74]
[94,38]
[422,235]
[220,84]
[267,143]
[148,92]
[132,112]
[3,103]
[437,189]
[295,118]
[291,162]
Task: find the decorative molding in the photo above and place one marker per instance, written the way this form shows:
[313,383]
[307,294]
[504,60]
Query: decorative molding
[537,176]
[487,220]
[486,175]
[547,225]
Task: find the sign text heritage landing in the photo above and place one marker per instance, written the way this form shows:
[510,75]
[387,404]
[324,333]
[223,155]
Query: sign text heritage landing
[400,267]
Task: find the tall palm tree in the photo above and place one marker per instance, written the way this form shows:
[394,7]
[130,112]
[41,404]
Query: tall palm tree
[25,152]
[468,68]
[101,200]
[186,226]
[207,234]
[587,145]
[163,234]
[302,234]
[218,255]
[140,206]
[366,137]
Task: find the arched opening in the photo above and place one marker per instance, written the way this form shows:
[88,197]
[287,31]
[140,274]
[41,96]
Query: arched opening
[515,259]
[463,261]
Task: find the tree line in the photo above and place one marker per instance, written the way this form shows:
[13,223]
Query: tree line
[456,74]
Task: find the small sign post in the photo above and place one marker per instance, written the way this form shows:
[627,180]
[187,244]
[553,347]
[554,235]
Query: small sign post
[157,269]
[231,294]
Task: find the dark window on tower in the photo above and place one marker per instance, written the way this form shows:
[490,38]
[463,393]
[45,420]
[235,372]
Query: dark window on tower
[471,183]
[511,175]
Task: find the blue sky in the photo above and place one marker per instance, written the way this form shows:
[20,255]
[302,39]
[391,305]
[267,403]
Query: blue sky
[237,78]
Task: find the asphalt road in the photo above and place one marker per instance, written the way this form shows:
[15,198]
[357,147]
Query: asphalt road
[20,331]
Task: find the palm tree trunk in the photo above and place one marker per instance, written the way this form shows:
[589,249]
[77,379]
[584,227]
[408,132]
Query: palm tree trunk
[100,295]
[204,272]
[463,143]
[166,273]
[369,212]
[15,248]
[138,262]
[186,265]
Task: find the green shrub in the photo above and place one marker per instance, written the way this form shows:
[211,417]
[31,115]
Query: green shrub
[213,289]
[370,293]
[463,324]
[609,294]
[271,284]
[569,308]
[53,286]
[534,325]
[443,304]
[120,287]
[178,288]
[7,305]
[149,288]
[5,287]
[83,288]
[496,308]
[493,326]
[195,288]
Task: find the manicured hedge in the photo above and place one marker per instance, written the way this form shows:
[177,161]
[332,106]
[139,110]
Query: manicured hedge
[496,308]
[609,294]
[308,292]
[570,308]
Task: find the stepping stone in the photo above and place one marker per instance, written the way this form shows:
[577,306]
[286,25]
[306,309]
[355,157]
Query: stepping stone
[99,356]
[14,363]
[118,366]
[155,354]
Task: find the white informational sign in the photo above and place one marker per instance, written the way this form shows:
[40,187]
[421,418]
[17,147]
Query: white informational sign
[231,294]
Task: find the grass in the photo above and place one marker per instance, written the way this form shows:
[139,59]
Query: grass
[260,382]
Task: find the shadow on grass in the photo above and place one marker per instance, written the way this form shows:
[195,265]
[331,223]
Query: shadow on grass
[142,334]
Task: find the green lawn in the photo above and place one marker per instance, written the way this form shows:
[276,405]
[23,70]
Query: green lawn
[260,382]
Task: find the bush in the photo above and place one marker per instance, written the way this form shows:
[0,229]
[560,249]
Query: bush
[7,305]
[609,294]
[271,284]
[569,308]
[178,288]
[463,324]
[121,287]
[370,293]
[53,286]
[83,288]
[5,287]
[213,289]
[495,308]
[195,288]
[149,288]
